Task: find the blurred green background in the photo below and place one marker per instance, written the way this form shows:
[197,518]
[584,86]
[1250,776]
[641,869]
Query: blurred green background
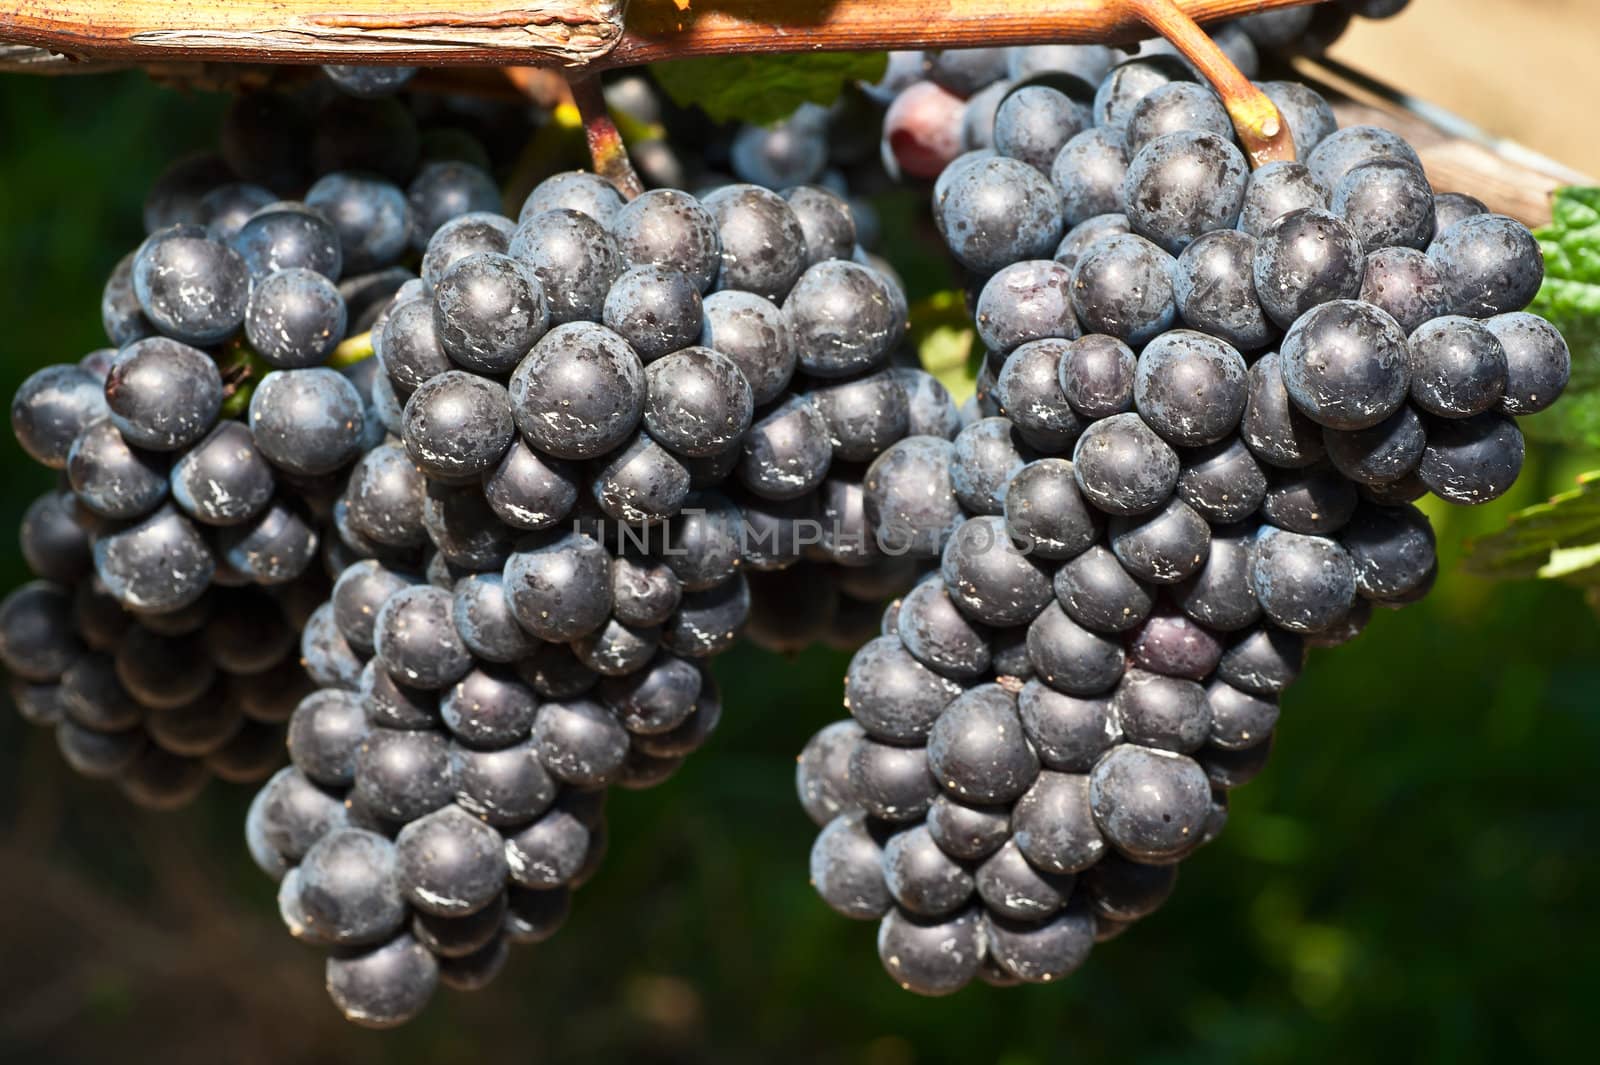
[1412,879]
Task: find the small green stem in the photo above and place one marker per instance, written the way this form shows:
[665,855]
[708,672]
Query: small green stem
[351,350]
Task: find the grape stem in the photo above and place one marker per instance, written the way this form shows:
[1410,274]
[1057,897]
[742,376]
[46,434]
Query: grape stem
[609,154]
[1262,131]
[351,350]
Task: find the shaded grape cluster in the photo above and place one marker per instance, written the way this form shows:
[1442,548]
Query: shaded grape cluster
[202,455]
[157,704]
[1209,401]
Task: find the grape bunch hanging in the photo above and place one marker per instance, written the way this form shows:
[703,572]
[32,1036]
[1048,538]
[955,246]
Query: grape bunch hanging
[1209,400]
[455,508]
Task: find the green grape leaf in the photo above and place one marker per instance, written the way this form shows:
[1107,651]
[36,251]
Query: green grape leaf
[946,344]
[1557,540]
[1570,299]
[764,88]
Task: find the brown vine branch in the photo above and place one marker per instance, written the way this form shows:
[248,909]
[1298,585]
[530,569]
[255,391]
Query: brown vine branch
[561,32]
[606,149]
[1262,131]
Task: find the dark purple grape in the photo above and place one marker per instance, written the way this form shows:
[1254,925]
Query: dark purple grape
[1214,286]
[1184,184]
[1388,203]
[1537,361]
[846,868]
[457,427]
[1098,593]
[1088,172]
[1452,207]
[1393,549]
[1385,454]
[417,640]
[383,987]
[1339,153]
[160,564]
[756,335]
[1131,81]
[998,211]
[1176,107]
[1275,190]
[111,479]
[1122,890]
[527,490]
[285,236]
[468,234]
[822,773]
[191,287]
[572,257]
[384,497]
[1472,460]
[1305,259]
[1151,805]
[488,312]
[1458,368]
[1174,645]
[163,395]
[1491,265]
[1086,233]
[371,216]
[307,421]
[892,695]
[95,698]
[977,750]
[559,585]
[1034,122]
[1315,501]
[295,318]
[1068,732]
[1123,467]
[1011,887]
[1304,583]
[445,189]
[53,544]
[52,407]
[668,228]
[1407,285]
[1071,658]
[580,393]
[1122,285]
[1163,547]
[120,313]
[1223,482]
[844,317]
[1275,430]
[1162,712]
[1097,376]
[1345,365]
[1046,511]
[1265,660]
[1190,387]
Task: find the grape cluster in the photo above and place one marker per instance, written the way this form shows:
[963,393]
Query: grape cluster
[159,704]
[612,430]
[1209,400]
[202,455]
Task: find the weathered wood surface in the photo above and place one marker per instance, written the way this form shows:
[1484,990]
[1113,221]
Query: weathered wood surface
[560,32]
